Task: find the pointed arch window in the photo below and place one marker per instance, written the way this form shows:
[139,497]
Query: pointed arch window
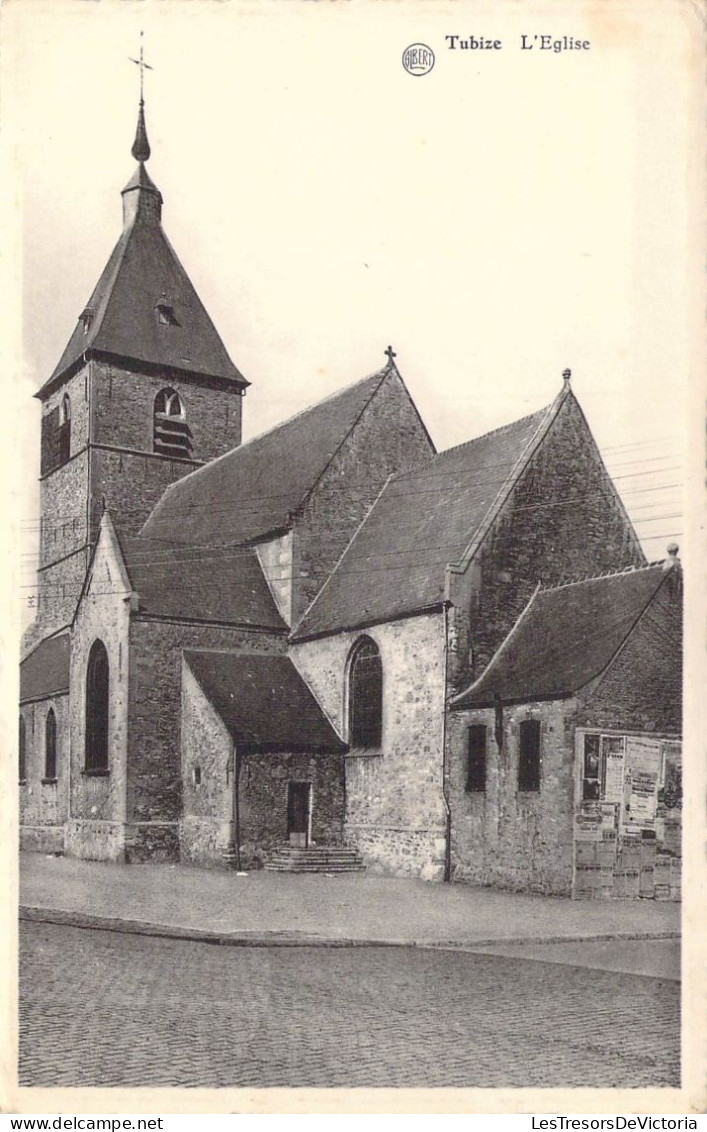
[97,704]
[50,745]
[23,750]
[365,695]
[171,433]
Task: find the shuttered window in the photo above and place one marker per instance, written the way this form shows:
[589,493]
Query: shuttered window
[476,759]
[529,756]
[366,695]
[171,433]
[56,437]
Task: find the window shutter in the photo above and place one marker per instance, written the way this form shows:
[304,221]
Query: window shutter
[529,756]
[476,762]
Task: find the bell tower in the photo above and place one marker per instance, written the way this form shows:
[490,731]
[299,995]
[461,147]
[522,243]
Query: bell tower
[144,393]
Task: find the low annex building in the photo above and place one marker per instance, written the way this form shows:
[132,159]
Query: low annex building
[565,758]
[242,646]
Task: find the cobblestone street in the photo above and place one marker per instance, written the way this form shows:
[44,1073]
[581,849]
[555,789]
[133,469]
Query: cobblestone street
[106,1009]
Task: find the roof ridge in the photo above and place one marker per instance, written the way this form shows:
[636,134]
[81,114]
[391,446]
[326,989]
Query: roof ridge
[437,457]
[604,574]
[268,432]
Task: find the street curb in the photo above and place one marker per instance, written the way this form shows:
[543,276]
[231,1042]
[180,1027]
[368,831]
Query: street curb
[300,939]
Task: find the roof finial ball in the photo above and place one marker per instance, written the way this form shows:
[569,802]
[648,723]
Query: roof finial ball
[566,375]
[672,560]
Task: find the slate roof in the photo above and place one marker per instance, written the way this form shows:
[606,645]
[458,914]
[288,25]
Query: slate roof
[143,268]
[423,520]
[252,491]
[565,637]
[264,702]
[203,585]
[45,671]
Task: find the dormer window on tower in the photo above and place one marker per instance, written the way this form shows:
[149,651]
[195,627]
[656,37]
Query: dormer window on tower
[172,435]
[86,318]
[165,313]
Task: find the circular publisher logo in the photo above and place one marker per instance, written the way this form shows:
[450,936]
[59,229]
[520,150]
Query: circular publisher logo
[418,59]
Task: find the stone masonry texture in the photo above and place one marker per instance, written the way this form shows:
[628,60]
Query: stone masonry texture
[96,827]
[113,406]
[388,437]
[562,520]
[525,840]
[502,836]
[207,770]
[154,776]
[394,805]
[44,803]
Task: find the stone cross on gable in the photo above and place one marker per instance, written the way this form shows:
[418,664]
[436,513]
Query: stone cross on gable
[390,354]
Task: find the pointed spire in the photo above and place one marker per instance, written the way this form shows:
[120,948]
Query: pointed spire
[141,197]
[141,146]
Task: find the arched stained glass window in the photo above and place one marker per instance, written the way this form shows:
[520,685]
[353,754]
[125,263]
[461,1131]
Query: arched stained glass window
[50,745]
[365,695]
[97,704]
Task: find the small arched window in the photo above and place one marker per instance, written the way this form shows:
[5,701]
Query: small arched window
[171,435]
[23,750]
[365,695]
[97,700]
[50,745]
[66,409]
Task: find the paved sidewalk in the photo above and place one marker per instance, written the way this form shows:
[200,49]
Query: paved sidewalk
[350,909]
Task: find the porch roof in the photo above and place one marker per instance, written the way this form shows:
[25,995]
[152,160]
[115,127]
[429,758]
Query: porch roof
[264,702]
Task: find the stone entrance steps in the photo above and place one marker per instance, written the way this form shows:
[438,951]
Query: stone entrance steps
[315,859]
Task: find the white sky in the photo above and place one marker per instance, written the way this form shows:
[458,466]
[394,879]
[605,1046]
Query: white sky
[506,216]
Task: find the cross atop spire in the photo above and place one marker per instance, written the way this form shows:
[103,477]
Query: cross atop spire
[141,146]
[142,65]
[390,354]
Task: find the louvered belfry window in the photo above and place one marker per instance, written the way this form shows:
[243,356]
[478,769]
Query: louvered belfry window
[97,703]
[366,695]
[172,435]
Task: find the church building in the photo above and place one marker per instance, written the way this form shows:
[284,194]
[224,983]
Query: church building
[323,648]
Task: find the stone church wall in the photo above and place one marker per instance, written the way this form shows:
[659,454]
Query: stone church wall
[131,486]
[395,812]
[563,520]
[388,437]
[154,778]
[96,827]
[123,404]
[502,836]
[44,803]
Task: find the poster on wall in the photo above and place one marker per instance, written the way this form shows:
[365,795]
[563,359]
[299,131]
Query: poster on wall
[642,778]
[613,769]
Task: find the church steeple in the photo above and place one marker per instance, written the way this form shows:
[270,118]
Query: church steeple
[141,197]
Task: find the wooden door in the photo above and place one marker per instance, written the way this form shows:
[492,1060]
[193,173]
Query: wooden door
[298,794]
